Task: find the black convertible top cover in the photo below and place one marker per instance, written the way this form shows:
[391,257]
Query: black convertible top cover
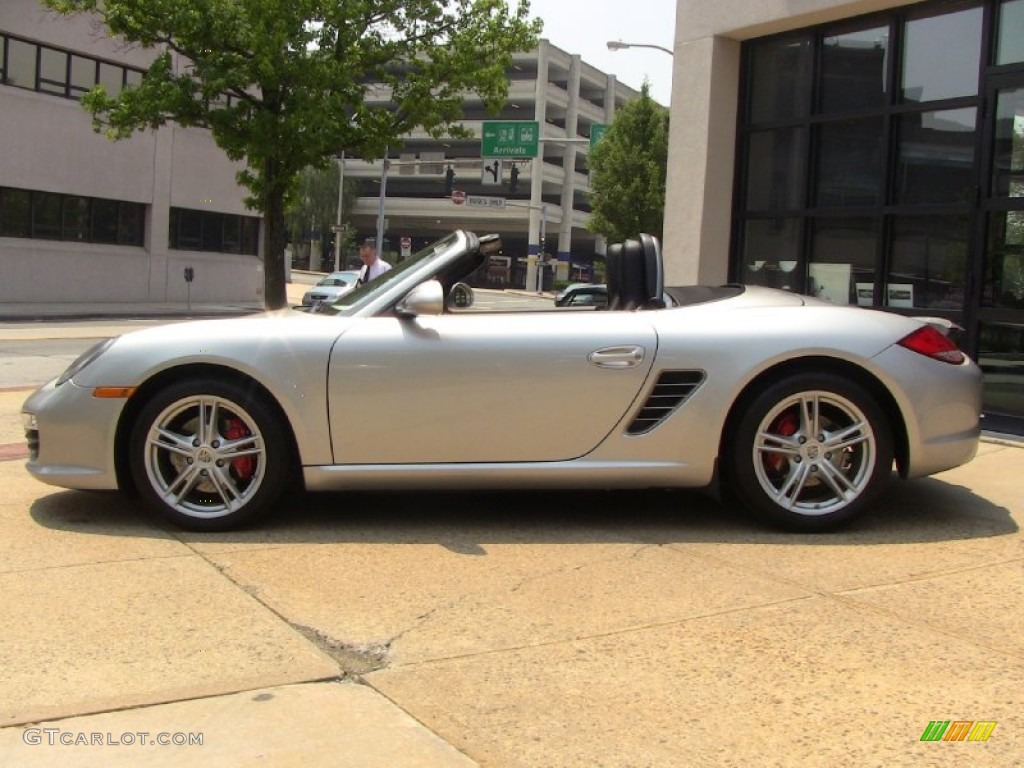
[688,295]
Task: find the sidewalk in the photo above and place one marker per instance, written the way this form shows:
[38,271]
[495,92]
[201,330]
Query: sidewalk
[36,312]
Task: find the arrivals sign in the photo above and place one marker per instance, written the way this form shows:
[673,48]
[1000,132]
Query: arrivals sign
[510,138]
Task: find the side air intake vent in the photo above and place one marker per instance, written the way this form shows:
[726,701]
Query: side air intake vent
[671,391]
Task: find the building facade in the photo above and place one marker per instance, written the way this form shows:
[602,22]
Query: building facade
[86,219]
[867,152]
[545,206]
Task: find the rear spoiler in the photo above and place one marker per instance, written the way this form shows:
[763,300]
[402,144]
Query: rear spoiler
[941,324]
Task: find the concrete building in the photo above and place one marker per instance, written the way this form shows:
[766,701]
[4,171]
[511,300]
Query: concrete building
[548,209]
[867,151]
[85,219]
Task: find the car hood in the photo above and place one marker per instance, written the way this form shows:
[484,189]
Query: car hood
[242,343]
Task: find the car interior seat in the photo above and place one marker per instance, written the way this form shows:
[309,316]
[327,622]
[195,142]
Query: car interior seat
[635,274]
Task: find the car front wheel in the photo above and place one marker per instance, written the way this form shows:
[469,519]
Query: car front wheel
[209,455]
[811,452]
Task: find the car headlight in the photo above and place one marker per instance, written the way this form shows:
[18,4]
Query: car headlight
[85,359]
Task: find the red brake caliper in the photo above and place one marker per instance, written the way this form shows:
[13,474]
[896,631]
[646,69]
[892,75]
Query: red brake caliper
[244,466]
[785,426]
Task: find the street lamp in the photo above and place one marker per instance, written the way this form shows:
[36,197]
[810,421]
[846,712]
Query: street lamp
[618,45]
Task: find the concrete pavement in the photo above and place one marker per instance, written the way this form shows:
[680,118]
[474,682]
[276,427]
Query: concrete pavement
[512,630]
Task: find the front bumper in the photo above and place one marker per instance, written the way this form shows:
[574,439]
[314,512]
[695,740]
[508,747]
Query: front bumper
[72,437]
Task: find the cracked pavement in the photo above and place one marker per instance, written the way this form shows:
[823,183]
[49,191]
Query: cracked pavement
[598,629]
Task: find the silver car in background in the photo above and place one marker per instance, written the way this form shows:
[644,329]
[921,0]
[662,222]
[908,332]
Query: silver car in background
[331,288]
[797,408]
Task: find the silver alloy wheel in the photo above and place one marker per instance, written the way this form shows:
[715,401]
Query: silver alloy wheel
[814,453]
[205,456]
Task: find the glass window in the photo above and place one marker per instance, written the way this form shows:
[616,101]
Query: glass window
[21,64]
[104,221]
[1001,357]
[53,71]
[1008,150]
[250,235]
[213,232]
[941,55]
[1004,263]
[46,217]
[232,234]
[15,213]
[780,80]
[189,232]
[131,224]
[853,70]
[83,76]
[771,253]
[76,218]
[936,157]
[842,259]
[111,78]
[928,262]
[775,170]
[3,57]
[851,158]
[132,78]
[1010,40]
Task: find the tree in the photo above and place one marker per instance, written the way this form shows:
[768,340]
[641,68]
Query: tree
[627,172]
[296,74]
[312,208]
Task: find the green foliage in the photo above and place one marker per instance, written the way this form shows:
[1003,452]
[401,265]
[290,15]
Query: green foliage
[627,172]
[306,80]
[312,208]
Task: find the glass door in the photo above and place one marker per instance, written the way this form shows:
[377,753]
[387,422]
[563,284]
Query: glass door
[999,325]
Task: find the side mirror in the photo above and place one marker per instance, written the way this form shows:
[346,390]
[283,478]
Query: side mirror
[461,296]
[425,299]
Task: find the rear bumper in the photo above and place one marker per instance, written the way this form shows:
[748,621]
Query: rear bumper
[941,406]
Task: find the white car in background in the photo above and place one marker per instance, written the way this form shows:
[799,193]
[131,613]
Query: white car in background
[331,288]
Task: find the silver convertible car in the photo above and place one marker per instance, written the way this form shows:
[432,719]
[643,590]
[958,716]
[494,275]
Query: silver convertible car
[796,408]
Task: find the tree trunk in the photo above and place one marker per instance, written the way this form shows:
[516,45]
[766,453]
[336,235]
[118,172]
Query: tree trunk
[274,293]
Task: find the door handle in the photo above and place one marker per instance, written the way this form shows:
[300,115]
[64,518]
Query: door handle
[617,357]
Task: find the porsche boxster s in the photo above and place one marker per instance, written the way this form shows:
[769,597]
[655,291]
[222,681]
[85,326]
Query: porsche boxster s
[796,408]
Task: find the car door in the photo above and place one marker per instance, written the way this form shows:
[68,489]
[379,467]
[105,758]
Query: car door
[484,387]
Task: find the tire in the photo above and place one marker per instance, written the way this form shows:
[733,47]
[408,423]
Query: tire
[811,452]
[214,478]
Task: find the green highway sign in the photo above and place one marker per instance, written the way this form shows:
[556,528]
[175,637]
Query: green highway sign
[597,133]
[510,138]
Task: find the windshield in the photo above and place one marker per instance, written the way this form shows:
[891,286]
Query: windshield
[351,301]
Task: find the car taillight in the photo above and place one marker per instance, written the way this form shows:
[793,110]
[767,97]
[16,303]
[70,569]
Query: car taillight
[931,343]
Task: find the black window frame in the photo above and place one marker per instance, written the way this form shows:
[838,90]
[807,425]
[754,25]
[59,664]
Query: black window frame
[66,86]
[205,231]
[886,210]
[51,216]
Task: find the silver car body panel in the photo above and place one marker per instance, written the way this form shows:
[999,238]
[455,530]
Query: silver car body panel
[520,399]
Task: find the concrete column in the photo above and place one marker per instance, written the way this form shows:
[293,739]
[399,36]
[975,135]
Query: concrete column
[537,171]
[158,219]
[572,115]
[701,160]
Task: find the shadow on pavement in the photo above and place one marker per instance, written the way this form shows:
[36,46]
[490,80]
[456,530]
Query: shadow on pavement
[916,511]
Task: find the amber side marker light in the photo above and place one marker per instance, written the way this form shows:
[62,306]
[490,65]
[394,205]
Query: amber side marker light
[931,343]
[113,392]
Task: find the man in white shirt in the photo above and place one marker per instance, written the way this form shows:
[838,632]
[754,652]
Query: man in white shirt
[373,265]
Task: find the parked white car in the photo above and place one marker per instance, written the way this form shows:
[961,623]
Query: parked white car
[331,287]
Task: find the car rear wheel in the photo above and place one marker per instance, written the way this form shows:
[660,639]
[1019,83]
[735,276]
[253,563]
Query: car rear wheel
[209,455]
[811,452]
